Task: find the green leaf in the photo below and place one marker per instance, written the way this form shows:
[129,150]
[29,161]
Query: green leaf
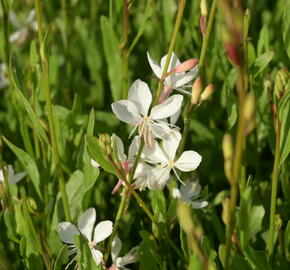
[113,58]
[286,27]
[261,63]
[147,15]
[148,252]
[287,240]
[257,258]
[18,81]
[29,164]
[96,153]
[284,116]
[85,258]
[195,263]
[62,258]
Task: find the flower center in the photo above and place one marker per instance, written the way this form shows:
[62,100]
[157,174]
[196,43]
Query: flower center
[170,164]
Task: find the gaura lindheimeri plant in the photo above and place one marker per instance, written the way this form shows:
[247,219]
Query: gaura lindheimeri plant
[190,194]
[135,111]
[177,78]
[164,160]
[119,263]
[85,226]
[12,178]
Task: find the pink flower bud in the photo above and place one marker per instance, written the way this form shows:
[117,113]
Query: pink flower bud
[208,91]
[202,25]
[196,89]
[186,65]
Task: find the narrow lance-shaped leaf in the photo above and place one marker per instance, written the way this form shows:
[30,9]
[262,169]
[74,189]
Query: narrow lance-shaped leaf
[29,164]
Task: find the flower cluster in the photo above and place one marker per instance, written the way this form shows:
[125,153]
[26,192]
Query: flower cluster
[156,126]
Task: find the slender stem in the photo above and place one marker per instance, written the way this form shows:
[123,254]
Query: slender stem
[45,72]
[145,208]
[275,177]
[240,140]
[206,37]
[124,52]
[137,159]
[121,208]
[5,33]
[171,47]
[200,68]
[65,19]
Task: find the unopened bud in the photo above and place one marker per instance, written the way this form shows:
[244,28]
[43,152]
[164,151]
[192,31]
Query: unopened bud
[278,222]
[105,143]
[207,93]
[185,219]
[226,211]
[227,147]
[203,8]
[281,83]
[249,112]
[202,25]
[185,66]
[196,90]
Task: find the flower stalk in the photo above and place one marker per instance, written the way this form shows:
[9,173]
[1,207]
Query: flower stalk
[181,7]
[275,178]
[5,32]
[54,145]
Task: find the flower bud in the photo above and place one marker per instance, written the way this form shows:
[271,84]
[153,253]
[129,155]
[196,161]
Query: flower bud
[202,25]
[185,66]
[249,112]
[226,211]
[105,143]
[196,90]
[203,8]
[207,93]
[227,147]
[281,82]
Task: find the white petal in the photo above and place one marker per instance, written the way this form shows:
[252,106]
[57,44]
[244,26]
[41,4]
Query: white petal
[161,130]
[174,117]
[116,248]
[198,205]
[103,230]
[130,257]
[190,190]
[170,146]
[95,163]
[158,177]
[16,178]
[140,94]
[188,161]
[67,231]
[119,145]
[185,78]
[155,154]
[174,62]
[167,108]
[133,148]
[1,176]
[126,111]
[176,193]
[97,255]
[155,67]
[86,223]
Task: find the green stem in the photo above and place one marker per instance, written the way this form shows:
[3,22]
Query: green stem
[65,20]
[171,47]
[121,209]
[55,152]
[142,204]
[275,177]
[5,33]
[200,68]
[206,37]
[240,140]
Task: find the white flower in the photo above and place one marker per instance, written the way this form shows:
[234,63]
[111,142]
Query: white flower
[24,26]
[4,81]
[12,178]
[135,111]
[164,160]
[175,80]
[85,227]
[119,263]
[188,193]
